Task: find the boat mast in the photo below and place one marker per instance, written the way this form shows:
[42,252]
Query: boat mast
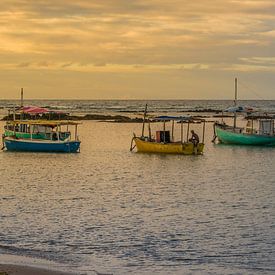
[21,103]
[22,98]
[235,101]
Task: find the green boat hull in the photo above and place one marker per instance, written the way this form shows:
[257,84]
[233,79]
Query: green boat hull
[23,135]
[227,136]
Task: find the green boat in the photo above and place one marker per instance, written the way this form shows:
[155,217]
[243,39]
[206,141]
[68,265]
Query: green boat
[258,132]
[246,136]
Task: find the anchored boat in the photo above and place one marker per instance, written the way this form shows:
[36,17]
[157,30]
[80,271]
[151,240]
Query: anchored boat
[40,136]
[32,134]
[164,140]
[258,131]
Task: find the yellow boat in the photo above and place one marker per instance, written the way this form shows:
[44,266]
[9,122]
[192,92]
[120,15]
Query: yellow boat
[185,148]
[164,141]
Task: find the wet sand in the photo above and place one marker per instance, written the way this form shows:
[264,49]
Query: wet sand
[27,270]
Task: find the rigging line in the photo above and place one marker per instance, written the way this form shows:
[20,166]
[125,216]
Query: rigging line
[251,90]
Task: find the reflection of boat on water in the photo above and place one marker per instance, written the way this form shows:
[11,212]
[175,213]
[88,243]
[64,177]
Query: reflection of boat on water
[40,136]
[165,142]
[257,131]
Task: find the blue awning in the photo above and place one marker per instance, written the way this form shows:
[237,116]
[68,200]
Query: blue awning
[240,109]
[176,118]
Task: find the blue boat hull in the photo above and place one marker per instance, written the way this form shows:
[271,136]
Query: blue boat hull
[41,146]
[228,136]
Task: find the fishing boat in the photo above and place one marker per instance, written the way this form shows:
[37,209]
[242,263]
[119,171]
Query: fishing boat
[41,136]
[164,141]
[31,133]
[258,131]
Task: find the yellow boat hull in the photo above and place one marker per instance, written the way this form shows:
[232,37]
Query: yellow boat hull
[186,148]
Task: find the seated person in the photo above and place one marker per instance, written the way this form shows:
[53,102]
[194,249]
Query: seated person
[194,138]
[55,137]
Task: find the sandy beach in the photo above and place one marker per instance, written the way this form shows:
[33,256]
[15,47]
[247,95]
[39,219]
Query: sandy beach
[27,270]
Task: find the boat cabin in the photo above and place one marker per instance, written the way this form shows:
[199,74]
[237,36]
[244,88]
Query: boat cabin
[265,127]
[39,129]
[169,136]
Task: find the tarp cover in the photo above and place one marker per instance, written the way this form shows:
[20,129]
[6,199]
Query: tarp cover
[177,118]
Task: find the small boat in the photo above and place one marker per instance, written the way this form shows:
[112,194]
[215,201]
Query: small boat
[258,131]
[32,134]
[40,136]
[247,136]
[164,140]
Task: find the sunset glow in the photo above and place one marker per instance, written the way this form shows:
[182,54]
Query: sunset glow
[136,49]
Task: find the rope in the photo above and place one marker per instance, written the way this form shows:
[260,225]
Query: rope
[250,90]
[132,147]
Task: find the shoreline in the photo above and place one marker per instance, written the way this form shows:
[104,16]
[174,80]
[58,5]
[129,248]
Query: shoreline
[13,269]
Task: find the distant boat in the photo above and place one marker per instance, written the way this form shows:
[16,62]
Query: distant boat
[164,141]
[264,135]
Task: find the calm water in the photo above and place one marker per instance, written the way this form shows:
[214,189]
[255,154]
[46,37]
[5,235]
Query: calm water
[113,211]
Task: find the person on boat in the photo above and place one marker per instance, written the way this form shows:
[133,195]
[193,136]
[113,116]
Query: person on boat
[55,137]
[194,138]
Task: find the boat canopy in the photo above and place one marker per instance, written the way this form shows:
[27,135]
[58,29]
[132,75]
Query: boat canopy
[35,110]
[50,123]
[240,109]
[176,118]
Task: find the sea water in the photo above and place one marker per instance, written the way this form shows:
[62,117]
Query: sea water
[136,106]
[117,212]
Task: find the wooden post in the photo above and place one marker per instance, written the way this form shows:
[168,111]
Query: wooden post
[187,135]
[181,131]
[149,130]
[164,131]
[173,125]
[144,118]
[203,131]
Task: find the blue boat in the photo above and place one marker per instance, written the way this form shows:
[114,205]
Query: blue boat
[259,132]
[35,135]
[41,136]
[35,145]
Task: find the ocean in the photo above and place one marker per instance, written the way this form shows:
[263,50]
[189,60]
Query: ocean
[132,107]
[113,211]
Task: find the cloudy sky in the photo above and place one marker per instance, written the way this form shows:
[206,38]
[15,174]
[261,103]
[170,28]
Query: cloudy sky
[137,49]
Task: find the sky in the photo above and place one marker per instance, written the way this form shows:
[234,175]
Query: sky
[137,49]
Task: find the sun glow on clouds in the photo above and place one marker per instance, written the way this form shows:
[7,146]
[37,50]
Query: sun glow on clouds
[139,38]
